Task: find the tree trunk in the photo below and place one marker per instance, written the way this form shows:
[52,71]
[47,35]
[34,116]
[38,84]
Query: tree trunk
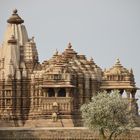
[101,134]
[111,135]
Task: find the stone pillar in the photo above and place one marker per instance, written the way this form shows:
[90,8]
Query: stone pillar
[134,104]
[67,92]
[80,89]
[94,87]
[132,100]
[32,95]
[87,87]
[46,93]
[56,91]
[128,92]
[39,99]
[133,93]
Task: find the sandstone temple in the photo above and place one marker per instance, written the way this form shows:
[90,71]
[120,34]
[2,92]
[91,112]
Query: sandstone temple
[56,88]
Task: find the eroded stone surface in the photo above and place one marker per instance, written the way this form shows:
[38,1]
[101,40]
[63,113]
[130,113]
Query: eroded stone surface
[30,90]
[59,134]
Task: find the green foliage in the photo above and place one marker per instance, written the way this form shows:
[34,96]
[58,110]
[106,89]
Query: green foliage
[109,113]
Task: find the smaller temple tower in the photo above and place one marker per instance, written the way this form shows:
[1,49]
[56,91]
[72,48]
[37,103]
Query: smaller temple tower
[122,79]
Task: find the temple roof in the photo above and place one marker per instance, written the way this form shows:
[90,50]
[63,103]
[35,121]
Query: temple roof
[117,69]
[15,18]
[118,77]
[71,62]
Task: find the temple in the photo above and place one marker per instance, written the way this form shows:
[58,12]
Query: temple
[55,89]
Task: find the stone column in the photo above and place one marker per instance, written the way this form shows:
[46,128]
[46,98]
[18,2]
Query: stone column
[134,104]
[79,98]
[45,92]
[56,91]
[39,99]
[128,94]
[132,100]
[67,92]
[87,87]
[133,93]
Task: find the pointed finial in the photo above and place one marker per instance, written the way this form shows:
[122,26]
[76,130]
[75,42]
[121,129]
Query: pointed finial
[15,11]
[131,71]
[56,53]
[91,59]
[69,45]
[32,39]
[118,61]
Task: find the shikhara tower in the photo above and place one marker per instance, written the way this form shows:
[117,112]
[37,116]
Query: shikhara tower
[55,88]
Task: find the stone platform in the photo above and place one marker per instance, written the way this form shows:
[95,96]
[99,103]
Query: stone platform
[57,133]
[37,123]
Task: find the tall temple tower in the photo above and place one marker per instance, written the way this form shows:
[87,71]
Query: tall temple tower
[58,87]
[16,53]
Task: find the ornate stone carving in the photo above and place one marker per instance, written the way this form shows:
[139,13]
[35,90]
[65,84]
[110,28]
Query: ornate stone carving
[60,85]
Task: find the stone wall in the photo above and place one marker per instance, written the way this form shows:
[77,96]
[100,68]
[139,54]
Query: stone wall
[58,134]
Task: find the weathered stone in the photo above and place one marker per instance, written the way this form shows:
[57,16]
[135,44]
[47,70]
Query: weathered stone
[30,91]
[59,134]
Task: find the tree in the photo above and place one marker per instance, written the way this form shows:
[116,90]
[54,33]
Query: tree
[108,113]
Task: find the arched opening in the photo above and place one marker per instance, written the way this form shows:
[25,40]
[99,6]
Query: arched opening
[62,92]
[51,92]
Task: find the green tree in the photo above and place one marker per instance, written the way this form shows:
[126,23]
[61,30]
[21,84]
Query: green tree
[108,113]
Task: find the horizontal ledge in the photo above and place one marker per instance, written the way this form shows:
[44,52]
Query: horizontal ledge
[55,86]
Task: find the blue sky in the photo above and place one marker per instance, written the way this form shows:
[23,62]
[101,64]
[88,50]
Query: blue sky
[102,29]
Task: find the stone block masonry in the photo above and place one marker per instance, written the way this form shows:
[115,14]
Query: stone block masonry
[43,133]
[31,90]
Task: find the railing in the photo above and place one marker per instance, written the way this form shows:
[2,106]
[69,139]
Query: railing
[65,104]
